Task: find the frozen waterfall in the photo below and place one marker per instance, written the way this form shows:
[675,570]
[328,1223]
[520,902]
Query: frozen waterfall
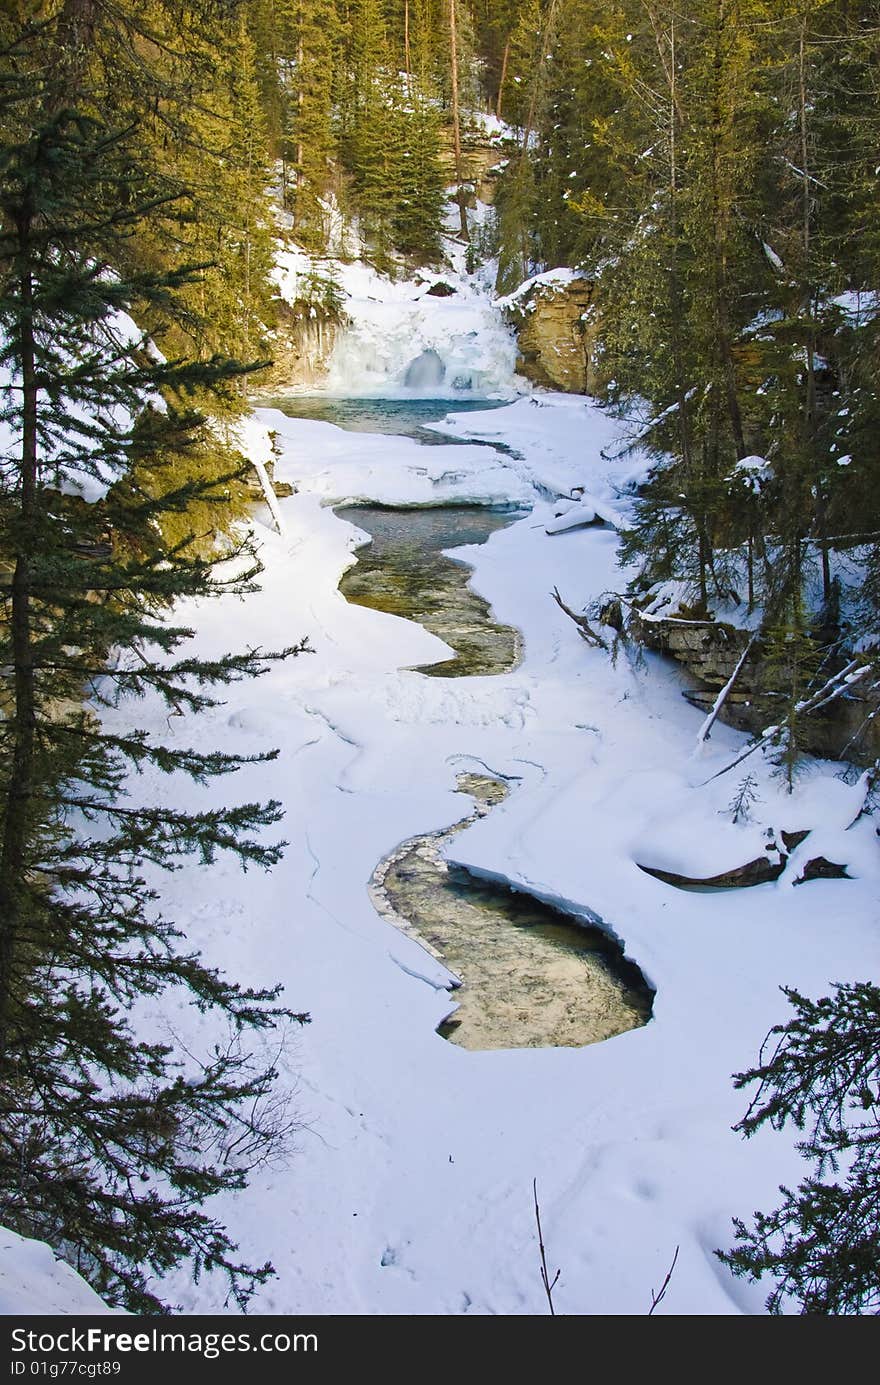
[402,338]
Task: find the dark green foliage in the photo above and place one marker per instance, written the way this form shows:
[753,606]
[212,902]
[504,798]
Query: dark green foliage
[820,1072]
[746,795]
[389,143]
[517,251]
[110,1145]
[792,659]
[419,182]
[713,167]
[308,41]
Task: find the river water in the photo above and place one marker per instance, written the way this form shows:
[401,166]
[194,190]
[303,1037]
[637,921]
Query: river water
[529,975]
[404,417]
[404,571]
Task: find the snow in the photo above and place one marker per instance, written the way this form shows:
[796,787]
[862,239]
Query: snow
[772,256]
[574,517]
[409,1190]
[79,472]
[563,441]
[492,126]
[33,1281]
[550,278]
[340,466]
[858,306]
[393,322]
[754,472]
[255,442]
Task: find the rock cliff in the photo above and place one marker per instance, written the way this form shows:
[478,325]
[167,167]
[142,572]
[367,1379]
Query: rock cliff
[552,318]
[709,650]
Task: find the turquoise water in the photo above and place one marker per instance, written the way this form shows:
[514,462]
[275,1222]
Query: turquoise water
[403,417]
[403,571]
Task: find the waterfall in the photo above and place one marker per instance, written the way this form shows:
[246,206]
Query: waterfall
[401,339]
[425,372]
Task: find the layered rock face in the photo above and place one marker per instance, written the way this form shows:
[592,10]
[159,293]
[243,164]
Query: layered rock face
[302,348]
[556,341]
[848,727]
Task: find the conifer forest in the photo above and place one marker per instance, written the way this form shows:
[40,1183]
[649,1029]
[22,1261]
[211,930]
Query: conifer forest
[207,203]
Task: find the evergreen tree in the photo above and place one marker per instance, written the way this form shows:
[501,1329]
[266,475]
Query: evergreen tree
[389,142]
[713,166]
[429,58]
[311,38]
[419,204]
[109,1145]
[820,1072]
[791,661]
[494,25]
[183,73]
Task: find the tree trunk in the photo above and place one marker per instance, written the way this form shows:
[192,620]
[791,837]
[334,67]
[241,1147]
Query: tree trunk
[676,297]
[456,118]
[20,784]
[720,227]
[73,46]
[503,78]
[809,415]
[546,37]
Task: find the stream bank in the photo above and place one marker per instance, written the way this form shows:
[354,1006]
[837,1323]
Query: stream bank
[530,976]
[404,571]
[410,1190]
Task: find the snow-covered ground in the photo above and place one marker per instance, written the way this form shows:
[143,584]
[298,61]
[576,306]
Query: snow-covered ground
[34,1281]
[410,1188]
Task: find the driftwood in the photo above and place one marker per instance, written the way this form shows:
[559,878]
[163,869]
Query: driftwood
[820,868]
[269,493]
[758,872]
[585,630]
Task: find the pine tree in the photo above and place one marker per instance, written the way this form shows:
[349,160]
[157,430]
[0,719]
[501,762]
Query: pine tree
[792,658]
[820,1072]
[455,111]
[311,39]
[494,24]
[109,1145]
[389,142]
[419,181]
[680,258]
[184,75]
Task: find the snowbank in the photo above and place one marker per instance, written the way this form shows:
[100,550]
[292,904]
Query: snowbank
[34,1281]
[410,1188]
[522,296]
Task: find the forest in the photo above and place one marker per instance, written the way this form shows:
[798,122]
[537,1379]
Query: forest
[711,167]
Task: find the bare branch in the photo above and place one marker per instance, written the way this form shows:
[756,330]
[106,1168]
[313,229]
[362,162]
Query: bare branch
[549,1285]
[657,1299]
[585,630]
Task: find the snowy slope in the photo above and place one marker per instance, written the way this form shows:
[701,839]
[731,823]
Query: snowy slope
[409,1191]
[33,1281]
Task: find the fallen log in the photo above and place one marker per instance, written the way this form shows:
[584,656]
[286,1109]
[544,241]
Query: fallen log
[585,630]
